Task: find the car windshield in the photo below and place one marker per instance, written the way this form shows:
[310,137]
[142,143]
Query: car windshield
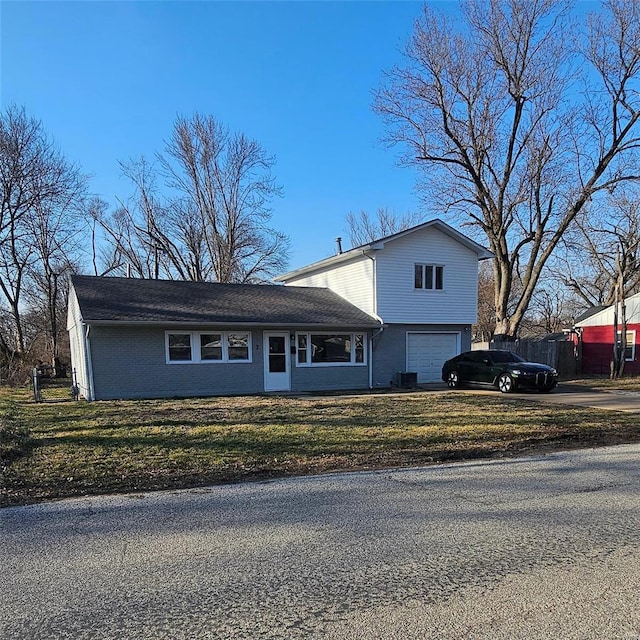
[505,356]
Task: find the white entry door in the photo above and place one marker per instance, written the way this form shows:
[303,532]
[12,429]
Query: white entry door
[277,375]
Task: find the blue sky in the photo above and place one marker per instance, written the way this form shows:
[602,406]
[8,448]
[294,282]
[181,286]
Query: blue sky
[108,78]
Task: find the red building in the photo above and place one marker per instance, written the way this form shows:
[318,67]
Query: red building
[595,328]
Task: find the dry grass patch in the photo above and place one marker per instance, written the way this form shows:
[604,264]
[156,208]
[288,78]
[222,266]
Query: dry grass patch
[77,448]
[630,383]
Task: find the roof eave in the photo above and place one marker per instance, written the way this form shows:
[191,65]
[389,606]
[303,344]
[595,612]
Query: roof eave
[230,323]
[479,250]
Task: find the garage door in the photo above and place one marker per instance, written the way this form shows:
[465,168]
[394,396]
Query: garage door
[426,353]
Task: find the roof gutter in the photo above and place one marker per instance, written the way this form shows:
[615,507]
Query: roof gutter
[234,323]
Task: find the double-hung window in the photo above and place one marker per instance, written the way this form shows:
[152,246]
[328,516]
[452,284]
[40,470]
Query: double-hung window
[330,349]
[207,346]
[428,276]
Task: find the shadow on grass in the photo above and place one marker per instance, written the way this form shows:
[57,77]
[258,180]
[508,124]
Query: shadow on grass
[128,446]
[15,439]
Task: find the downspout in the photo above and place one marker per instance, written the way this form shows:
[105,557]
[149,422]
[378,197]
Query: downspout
[372,337]
[87,354]
[375,314]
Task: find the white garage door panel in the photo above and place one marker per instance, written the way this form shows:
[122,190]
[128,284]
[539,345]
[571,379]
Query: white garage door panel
[427,352]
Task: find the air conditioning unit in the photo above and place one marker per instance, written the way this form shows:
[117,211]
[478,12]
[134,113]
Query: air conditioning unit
[407,379]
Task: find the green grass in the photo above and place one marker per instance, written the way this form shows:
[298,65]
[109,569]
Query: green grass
[63,448]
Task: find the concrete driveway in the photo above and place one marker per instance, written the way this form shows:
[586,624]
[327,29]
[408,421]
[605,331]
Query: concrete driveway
[545,547]
[572,394]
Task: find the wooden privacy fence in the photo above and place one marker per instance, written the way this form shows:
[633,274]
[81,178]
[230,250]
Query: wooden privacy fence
[559,354]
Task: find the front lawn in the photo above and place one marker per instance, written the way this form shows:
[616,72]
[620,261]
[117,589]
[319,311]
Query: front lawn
[64,448]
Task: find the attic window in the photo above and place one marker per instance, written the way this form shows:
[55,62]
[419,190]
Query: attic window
[428,276]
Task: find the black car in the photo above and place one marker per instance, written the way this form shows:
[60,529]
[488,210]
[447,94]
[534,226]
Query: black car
[502,369]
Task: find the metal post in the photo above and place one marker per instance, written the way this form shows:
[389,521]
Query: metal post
[75,391]
[37,394]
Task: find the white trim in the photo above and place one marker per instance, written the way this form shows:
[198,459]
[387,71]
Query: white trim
[434,278]
[195,350]
[278,376]
[631,344]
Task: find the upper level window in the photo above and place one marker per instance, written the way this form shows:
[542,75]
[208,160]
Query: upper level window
[329,349]
[196,346]
[428,276]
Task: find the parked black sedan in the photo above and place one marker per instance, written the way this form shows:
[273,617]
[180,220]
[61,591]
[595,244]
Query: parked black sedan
[502,369]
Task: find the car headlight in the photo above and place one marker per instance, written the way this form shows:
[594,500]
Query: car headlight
[516,372]
[554,372]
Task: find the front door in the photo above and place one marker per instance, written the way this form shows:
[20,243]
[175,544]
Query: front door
[276,361]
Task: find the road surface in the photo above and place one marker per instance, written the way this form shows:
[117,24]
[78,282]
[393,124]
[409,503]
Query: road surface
[544,547]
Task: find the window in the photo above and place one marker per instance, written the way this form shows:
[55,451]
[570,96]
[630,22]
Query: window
[179,347]
[238,346]
[210,346]
[205,347]
[330,349]
[428,276]
[630,350]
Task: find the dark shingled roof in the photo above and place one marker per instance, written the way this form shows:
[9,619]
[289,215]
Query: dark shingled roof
[591,312]
[132,300]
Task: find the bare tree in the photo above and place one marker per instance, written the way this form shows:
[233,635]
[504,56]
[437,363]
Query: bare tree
[38,185]
[54,237]
[510,136]
[601,255]
[224,187]
[364,227]
[200,212]
[486,323]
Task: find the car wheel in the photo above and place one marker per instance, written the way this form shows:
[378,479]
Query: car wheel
[452,380]
[505,383]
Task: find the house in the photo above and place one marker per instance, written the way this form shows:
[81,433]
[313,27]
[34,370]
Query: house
[595,329]
[421,284]
[133,338]
[352,321]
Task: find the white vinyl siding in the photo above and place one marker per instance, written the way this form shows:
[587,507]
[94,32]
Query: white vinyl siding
[76,329]
[398,299]
[606,316]
[352,280]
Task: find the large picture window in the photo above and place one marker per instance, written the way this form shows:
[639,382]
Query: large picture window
[203,347]
[330,349]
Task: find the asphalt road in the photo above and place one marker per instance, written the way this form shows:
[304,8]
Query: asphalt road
[544,547]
